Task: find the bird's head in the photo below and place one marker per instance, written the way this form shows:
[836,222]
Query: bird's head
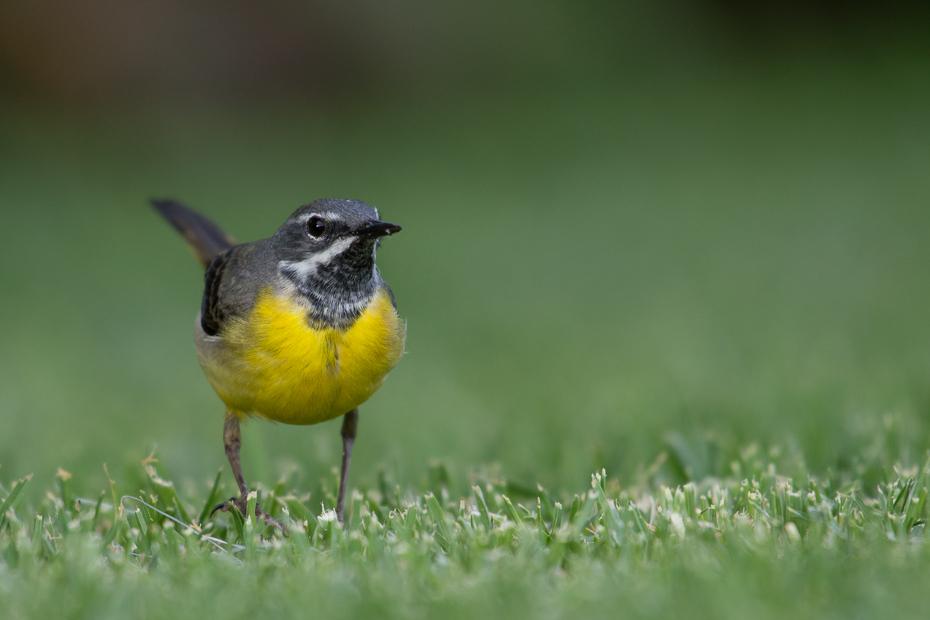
[327,248]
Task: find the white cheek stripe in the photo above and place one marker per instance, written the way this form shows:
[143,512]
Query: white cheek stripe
[309,266]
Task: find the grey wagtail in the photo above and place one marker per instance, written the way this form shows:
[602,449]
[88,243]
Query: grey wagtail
[299,328]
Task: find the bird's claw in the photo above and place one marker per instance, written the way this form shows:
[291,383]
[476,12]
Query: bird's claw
[242,504]
[224,507]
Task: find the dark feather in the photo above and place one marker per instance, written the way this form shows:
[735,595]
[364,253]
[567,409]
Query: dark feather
[205,238]
[212,313]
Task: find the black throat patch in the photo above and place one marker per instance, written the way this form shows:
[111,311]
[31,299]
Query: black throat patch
[339,290]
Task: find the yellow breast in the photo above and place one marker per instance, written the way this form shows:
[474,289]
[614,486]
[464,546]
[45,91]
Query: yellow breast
[275,365]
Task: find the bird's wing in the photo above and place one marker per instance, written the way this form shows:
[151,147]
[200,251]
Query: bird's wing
[212,312]
[231,283]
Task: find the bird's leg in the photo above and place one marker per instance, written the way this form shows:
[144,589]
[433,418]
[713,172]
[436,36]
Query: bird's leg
[349,429]
[232,440]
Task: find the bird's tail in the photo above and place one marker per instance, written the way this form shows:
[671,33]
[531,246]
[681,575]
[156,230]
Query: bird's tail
[206,239]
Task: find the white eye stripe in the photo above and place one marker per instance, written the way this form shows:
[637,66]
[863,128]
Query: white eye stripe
[310,264]
[326,216]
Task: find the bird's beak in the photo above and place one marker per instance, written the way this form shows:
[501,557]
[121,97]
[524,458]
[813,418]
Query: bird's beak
[375,228]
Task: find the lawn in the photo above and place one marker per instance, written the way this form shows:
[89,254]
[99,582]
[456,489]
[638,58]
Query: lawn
[710,284]
[757,543]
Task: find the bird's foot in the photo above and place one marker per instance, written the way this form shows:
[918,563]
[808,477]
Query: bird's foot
[241,503]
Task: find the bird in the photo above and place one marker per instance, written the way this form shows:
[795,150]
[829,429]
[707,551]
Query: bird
[299,328]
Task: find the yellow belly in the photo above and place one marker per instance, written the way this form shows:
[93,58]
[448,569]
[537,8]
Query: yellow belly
[275,365]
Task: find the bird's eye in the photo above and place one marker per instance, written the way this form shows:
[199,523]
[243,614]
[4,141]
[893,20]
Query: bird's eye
[316,226]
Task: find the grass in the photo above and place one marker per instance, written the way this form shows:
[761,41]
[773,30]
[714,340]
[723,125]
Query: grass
[768,539]
[647,275]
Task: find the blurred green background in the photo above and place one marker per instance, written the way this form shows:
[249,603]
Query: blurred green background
[628,227]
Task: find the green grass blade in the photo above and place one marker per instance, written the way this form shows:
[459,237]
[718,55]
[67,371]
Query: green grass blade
[443,533]
[482,506]
[13,498]
[510,510]
[97,508]
[238,523]
[166,491]
[212,499]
